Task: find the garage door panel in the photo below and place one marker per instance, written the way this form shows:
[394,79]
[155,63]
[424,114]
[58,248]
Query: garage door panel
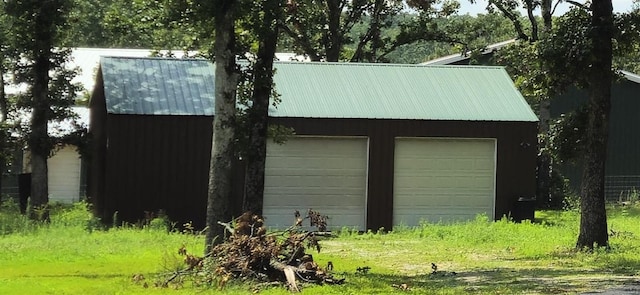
[287,172]
[64,175]
[483,164]
[318,163]
[443,179]
[310,181]
[284,217]
[315,200]
[314,203]
[325,174]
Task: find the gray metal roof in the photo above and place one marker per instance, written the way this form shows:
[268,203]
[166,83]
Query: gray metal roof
[323,90]
[454,58]
[158,86]
[450,59]
[631,76]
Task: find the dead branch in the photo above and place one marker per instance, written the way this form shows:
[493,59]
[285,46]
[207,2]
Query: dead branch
[250,253]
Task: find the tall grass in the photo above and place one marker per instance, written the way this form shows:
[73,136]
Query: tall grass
[76,216]
[73,254]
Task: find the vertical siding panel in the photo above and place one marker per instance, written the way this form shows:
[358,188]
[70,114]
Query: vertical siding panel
[161,162]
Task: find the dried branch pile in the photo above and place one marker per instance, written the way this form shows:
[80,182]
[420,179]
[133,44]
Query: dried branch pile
[250,253]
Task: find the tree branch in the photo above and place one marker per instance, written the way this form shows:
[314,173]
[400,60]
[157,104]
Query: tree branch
[555,6]
[301,40]
[580,5]
[512,17]
[357,56]
[437,38]
[532,20]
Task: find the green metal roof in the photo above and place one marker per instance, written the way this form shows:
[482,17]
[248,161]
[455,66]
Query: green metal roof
[323,90]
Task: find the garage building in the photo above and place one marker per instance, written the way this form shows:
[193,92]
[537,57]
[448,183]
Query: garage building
[375,145]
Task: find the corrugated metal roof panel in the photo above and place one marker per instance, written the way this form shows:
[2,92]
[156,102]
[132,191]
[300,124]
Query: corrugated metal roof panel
[340,90]
[323,90]
[158,86]
[631,76]
[450,59]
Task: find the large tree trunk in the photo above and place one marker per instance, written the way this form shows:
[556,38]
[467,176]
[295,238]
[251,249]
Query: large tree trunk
[259,111]
[334,36]
[39,139]
[545,7]
[220,176]
[593,219]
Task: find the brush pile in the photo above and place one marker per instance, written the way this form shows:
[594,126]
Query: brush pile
[250,253]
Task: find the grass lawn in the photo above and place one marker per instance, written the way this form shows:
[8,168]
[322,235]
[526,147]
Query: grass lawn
[477,257]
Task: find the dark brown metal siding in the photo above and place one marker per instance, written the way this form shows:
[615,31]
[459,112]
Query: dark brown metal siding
[516,154]
[158,163]
[161,162]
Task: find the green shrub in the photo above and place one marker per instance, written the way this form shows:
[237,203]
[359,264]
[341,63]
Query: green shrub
[11,221]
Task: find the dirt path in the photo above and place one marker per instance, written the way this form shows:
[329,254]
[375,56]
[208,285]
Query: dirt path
[624,290]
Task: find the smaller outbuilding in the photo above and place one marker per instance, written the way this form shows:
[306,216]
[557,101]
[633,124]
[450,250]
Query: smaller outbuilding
[622,172]
[375,145]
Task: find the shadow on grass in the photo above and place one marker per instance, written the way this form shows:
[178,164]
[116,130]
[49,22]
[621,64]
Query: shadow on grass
[502,280]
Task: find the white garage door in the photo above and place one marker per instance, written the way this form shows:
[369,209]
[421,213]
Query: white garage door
[437,179]
[328,175]
[64,175]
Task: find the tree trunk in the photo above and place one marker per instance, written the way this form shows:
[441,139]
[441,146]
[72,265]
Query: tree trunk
[543,179]
[532,20]
[544,165]
[545,6]
[39,139]
[334,36]
[593,219]
[3,96]
[259,111]
[226,77]
[3,118]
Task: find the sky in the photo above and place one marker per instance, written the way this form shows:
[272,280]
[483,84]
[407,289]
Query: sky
[480,5]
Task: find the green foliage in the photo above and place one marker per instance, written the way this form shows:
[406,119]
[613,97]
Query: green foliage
[11,221]
[159,223]
[568,50]
[321,29]
[8,144]
[567,136]
[164,24]
[452,34]
[527,68]
[87,28]
[36,37]
[627,40]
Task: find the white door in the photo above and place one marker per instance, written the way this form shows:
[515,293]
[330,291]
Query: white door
[64,175]
[439,179]
[328,175]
